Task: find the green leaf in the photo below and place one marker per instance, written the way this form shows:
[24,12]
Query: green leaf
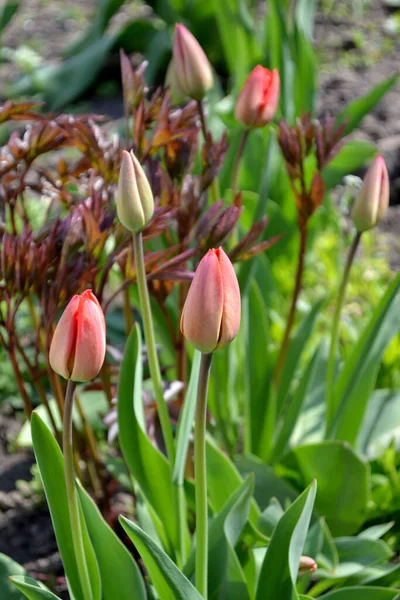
[350,158]
[7,11]
[296,346]
[295,403]
[142,458]
[225,575]
[120,574]
[32,589]
[363,593]
[357,378]
[169,582]
[381,422]
[356,110]
[281,563]
[186,421]
[51,468]
[343,482]
[223,479]
[8,568]
[258,367]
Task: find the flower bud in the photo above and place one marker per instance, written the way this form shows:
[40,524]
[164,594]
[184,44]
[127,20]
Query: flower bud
[259,97]
[192,68]
[79,342]
[211,314]
[373,200]
[135,202]
[307,565]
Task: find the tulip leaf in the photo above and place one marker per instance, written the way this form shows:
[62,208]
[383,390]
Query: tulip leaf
[169,582]
[349,159]
[363,593]
[120,574]
[281,562]
[223,479]
[343,482]
[186,421]
[142,458]
[8,568]
[32,589]
[357,379]
[225,575]
[51,468]
[381,422]
[356,110]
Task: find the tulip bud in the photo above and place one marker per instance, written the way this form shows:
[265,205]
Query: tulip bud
[135,202]
[79,342]
[259,97]
[373,200]
[307,565]
[211,314]
[192,68]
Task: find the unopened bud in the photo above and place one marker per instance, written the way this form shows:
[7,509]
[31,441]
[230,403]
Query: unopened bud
[373,200]
[258,100]
[307,565]
[211,314]
[135,202]
[192,68]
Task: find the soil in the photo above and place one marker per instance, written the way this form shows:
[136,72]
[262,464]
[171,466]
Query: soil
[356,54]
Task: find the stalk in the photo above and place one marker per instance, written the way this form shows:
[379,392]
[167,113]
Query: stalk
[20,382]
[201,477]
[154,366]
[330,379]
[238,158]
[73,505]
[292,312]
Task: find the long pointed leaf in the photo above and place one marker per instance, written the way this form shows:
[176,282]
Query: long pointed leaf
[169,582]
[32,589]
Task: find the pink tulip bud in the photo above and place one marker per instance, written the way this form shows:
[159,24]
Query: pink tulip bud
[259,97]
[211,314]
[373,200]
[192,68]
[307,565]
[79,342]
[135,202]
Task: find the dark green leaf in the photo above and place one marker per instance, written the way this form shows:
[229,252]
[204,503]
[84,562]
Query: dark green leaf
[169,582]
[281,563]
[8,568]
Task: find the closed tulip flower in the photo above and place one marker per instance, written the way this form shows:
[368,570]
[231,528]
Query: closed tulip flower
[258,100]
[373,200]
[192,68]
[135,202]
[211,314]
[79,342]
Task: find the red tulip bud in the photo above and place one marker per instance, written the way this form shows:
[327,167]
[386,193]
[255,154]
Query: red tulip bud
[192,68]
[79,342]
[211,314]
[373,200]
[259,97]
[307,565]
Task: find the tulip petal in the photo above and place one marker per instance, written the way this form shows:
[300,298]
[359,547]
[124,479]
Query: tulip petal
[232,304]
[90,339]
[63,342]
[192,68]
[202,313]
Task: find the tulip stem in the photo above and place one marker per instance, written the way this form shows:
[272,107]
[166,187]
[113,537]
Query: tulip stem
[330,379]
[201,477]
[238,159]
[73,505]
[292,312]
[154,366]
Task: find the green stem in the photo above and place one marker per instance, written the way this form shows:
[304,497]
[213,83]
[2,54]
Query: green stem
[238,158]
[201,477]
[330,379]
[154,366]
[72,497]
[292,312]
